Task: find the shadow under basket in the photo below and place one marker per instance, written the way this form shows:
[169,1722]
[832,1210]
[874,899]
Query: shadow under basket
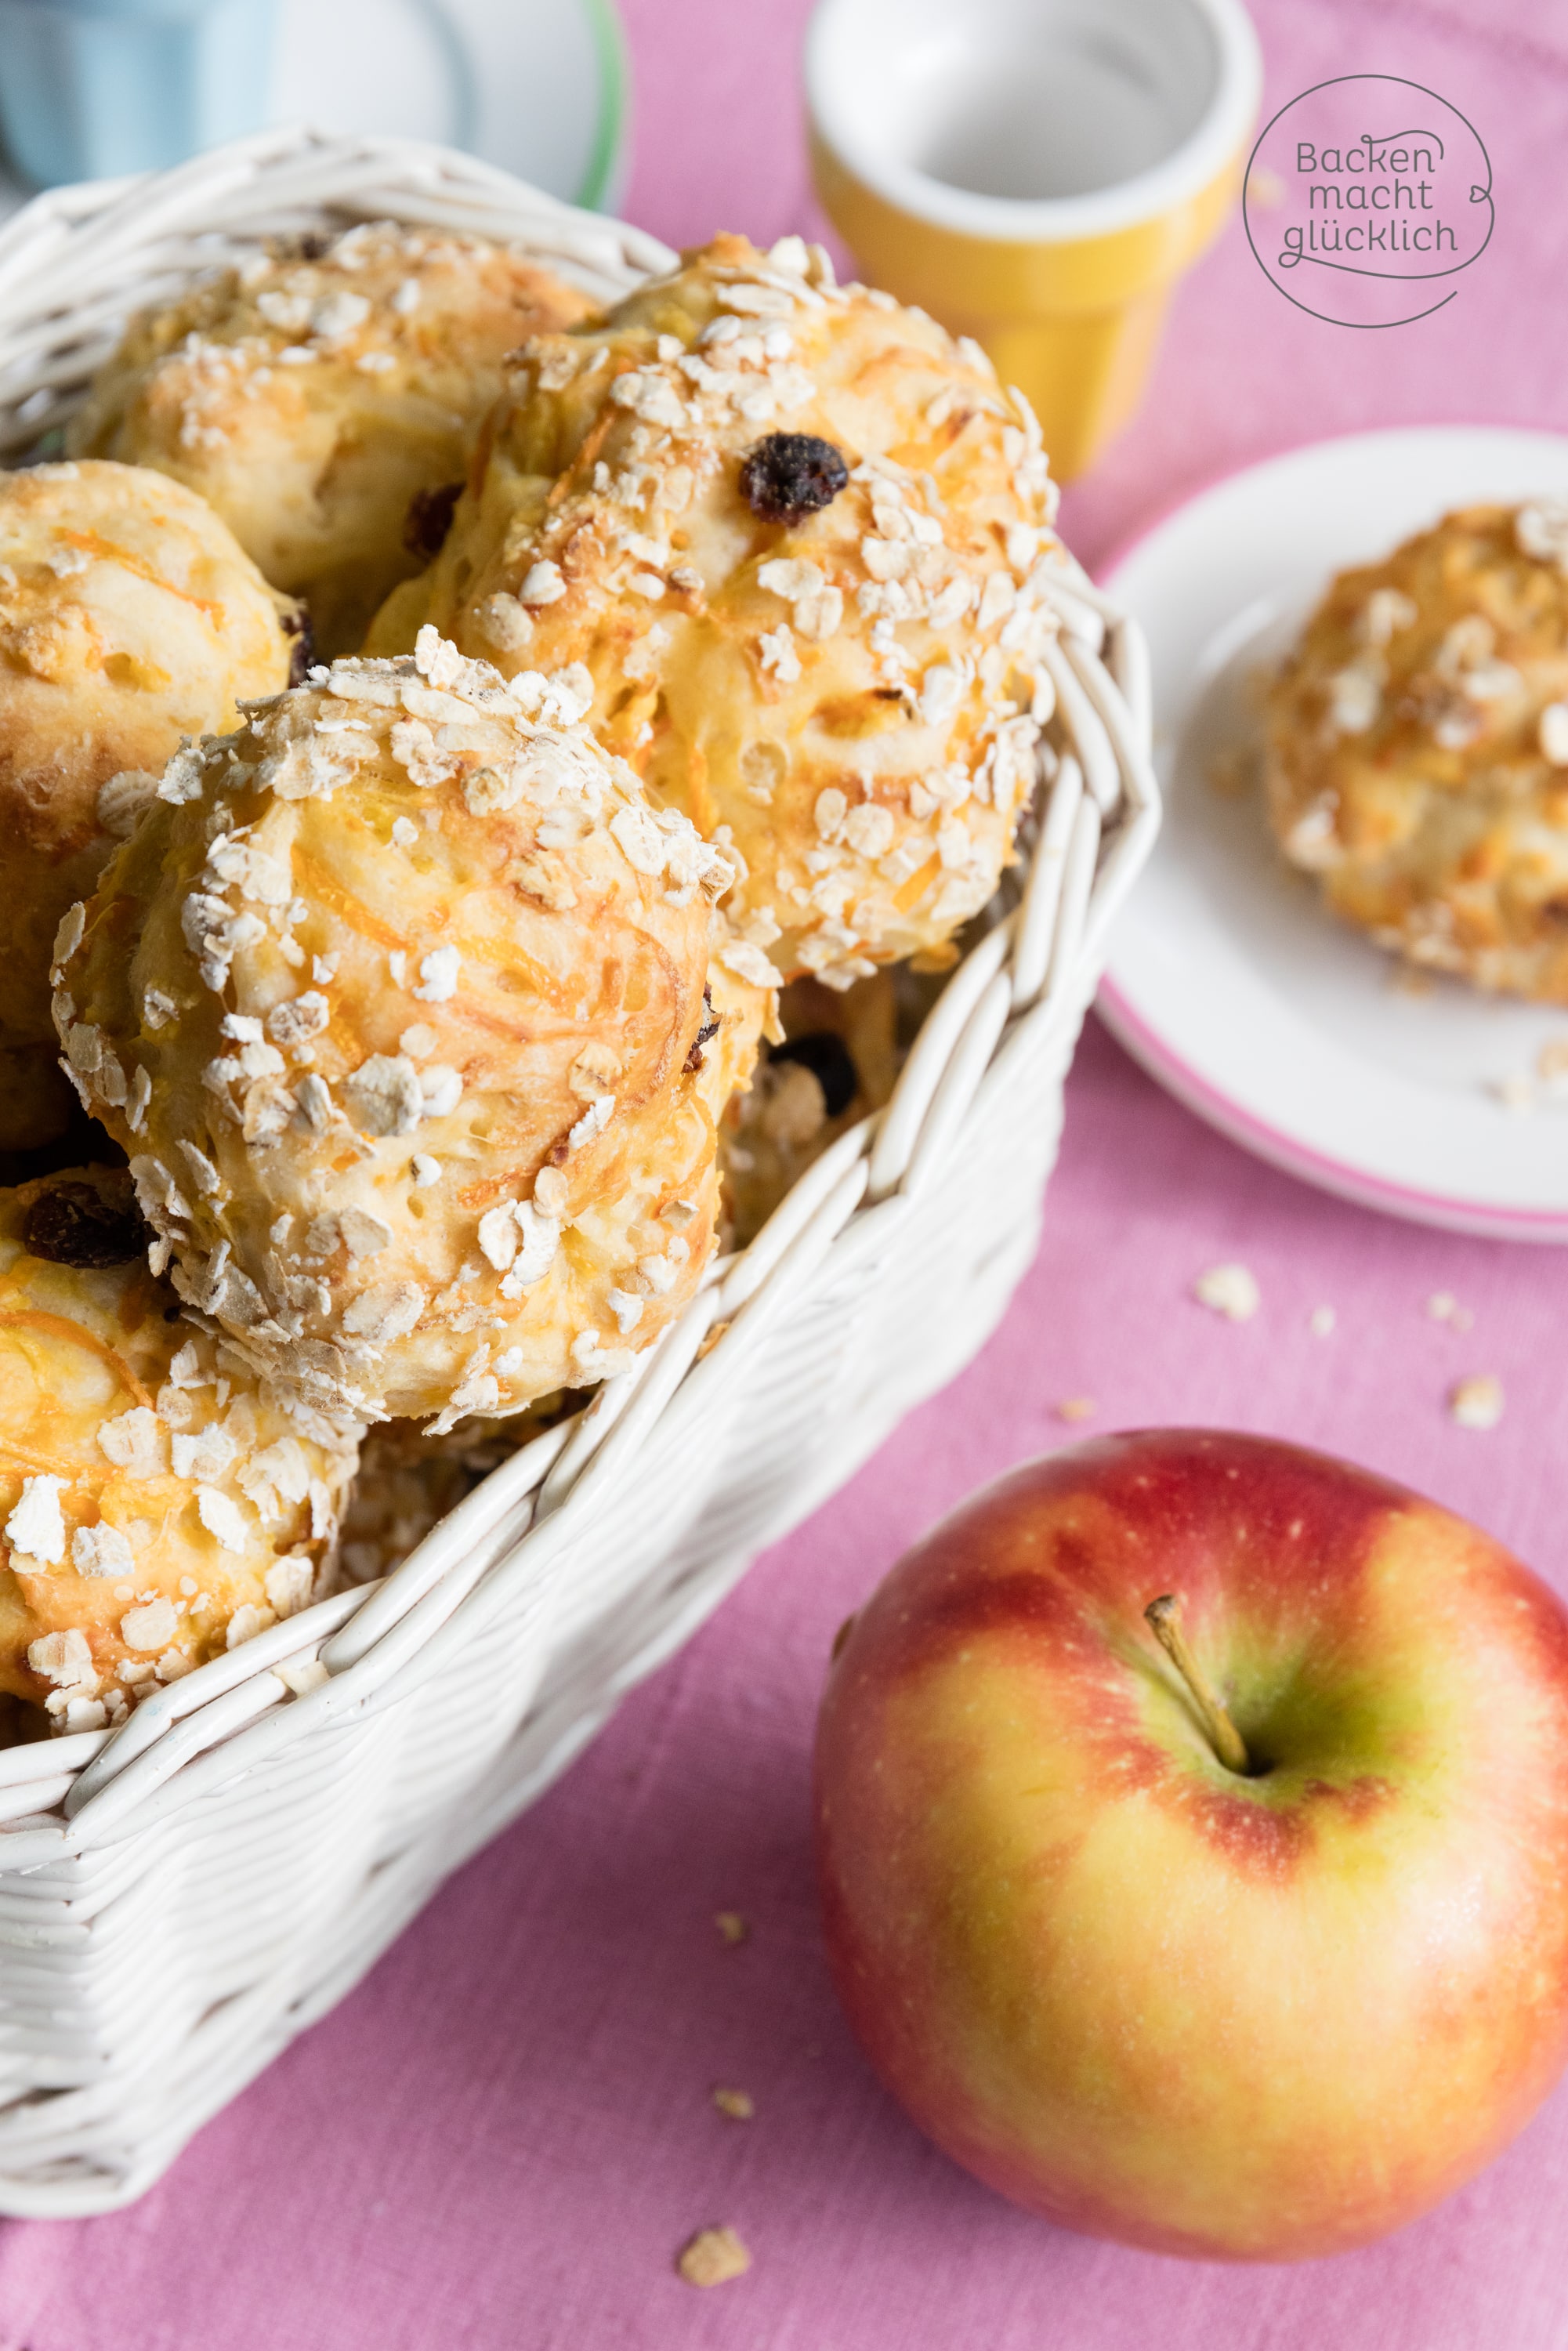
[180,1897]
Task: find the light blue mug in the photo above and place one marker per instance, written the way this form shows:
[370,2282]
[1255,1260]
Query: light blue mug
[89,89]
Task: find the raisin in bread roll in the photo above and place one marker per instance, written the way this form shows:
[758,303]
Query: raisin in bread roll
[157,1504]
[801,541]
[325,402]
[395,1002]
[128,618]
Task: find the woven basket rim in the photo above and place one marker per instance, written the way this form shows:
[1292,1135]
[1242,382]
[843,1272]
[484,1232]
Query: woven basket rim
[67,1798]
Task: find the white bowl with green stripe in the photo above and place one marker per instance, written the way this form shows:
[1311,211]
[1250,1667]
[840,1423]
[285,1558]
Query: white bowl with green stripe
[538,87]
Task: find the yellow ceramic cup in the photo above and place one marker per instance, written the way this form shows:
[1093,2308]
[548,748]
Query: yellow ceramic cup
[1037,173]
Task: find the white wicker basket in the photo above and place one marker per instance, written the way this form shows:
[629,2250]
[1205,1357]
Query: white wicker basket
[179,1898]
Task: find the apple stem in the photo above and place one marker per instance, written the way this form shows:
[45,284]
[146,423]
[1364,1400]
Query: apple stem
[1163,1617]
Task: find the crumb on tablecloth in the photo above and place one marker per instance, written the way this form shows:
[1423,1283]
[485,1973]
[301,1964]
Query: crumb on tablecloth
[1228,1290]
[732,1929]
[1321,1321]
[1477,1402]
[1076,1408]
[735,2104]
[713,2257]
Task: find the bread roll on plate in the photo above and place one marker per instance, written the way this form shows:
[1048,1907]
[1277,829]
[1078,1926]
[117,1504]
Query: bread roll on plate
[1417,748]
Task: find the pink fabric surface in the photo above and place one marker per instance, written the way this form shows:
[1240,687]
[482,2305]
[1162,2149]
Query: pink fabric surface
[500,2142]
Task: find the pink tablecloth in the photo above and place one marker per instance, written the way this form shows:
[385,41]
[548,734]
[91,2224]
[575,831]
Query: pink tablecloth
[500,2141]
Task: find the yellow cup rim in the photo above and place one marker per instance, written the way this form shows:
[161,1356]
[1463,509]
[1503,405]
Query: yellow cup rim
[1209,150]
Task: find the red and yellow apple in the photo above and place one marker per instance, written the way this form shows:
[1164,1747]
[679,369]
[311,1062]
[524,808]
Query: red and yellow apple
[1259,2012]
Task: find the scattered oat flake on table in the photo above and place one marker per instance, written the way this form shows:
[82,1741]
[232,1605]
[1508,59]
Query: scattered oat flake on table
[1228,1290]
[731,1926]
[713,2257]
[1077,1408]
[1515,1092]
[1321,1321]
[1477,1402]
[735,2104]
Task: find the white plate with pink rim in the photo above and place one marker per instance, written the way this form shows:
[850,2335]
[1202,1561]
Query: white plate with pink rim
[1227,980]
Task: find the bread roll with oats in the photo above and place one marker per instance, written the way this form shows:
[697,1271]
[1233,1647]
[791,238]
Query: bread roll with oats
[324,397]
[1417,748]
[128,618]
[801,540]
[157,1505]
[397,1002]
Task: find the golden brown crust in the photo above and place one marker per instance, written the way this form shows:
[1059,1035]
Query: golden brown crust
[391,999]
[313,397]
[1417,748]
[157,1504]
[850,699]
[128,618]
